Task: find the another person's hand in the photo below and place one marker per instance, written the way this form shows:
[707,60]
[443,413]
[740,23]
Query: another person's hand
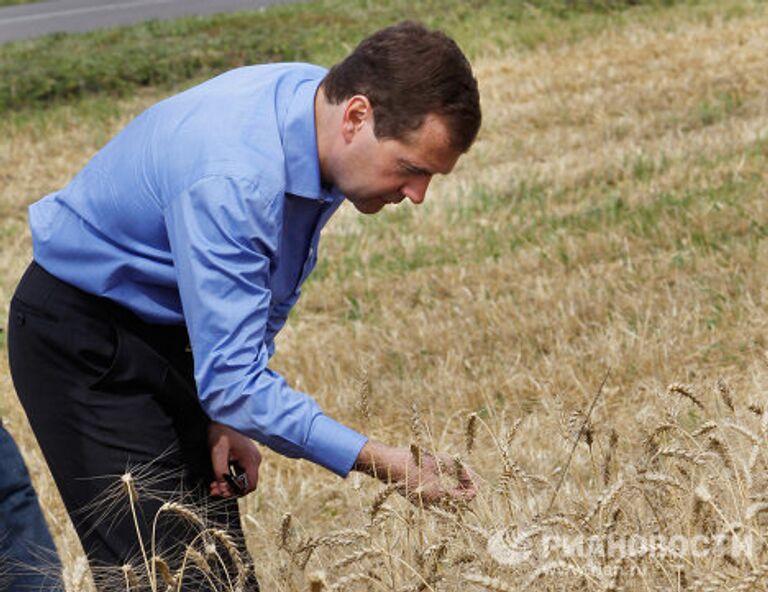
[427,480]
[229,446]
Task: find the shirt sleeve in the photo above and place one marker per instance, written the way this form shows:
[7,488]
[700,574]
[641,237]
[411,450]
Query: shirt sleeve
[223,234]
[277,319]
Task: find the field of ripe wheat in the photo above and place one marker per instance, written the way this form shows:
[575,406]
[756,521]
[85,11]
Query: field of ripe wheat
[579,313]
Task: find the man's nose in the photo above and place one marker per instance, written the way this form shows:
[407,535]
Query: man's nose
[416,190]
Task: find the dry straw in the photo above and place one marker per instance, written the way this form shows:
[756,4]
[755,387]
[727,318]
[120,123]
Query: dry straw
[489,583]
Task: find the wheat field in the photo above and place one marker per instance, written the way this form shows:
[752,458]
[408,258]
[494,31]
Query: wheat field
[578,313]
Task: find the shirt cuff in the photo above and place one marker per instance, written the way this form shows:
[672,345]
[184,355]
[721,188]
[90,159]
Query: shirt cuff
[333,445]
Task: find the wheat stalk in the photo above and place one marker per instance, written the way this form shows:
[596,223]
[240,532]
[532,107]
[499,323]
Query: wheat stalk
[470,432]
[575,443]
[130,577]
[686,391]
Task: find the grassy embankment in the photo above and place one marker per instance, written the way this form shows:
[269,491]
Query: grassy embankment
[15,2]
[612,216]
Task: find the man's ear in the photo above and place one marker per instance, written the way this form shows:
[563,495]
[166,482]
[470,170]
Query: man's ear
[358,113]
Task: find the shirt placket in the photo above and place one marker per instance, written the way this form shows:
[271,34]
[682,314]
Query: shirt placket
[309,264]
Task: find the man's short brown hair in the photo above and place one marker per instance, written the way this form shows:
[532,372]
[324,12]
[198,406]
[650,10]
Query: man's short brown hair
[408,72]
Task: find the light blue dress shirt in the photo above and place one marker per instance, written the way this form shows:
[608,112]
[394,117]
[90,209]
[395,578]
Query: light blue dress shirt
[207,210]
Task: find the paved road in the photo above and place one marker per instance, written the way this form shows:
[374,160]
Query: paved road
[40,18]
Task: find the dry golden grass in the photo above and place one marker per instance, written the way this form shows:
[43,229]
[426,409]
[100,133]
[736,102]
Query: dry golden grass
[612,216]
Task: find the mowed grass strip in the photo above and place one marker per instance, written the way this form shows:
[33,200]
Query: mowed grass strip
[163,53]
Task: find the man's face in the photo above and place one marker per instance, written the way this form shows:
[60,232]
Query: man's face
[380,172]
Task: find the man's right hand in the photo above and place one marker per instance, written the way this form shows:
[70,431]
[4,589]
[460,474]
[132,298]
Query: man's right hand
[427,480]
[227,445]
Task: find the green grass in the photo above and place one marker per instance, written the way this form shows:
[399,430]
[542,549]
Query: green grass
[117,61]
[15,2]
[701,219]
[718,108]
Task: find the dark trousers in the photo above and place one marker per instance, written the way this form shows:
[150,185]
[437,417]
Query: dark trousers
[113,404]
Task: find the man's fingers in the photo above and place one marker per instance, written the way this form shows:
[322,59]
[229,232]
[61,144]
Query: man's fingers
[461,492]
[247,461]
[220,459]
[468,478]
[220,466]
[220,489]
[469,482]
[426,478]
[252,472]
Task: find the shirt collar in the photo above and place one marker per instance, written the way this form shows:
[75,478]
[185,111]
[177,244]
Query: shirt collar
[302,163]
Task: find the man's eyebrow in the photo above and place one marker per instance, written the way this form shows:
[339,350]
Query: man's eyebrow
[412,168]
